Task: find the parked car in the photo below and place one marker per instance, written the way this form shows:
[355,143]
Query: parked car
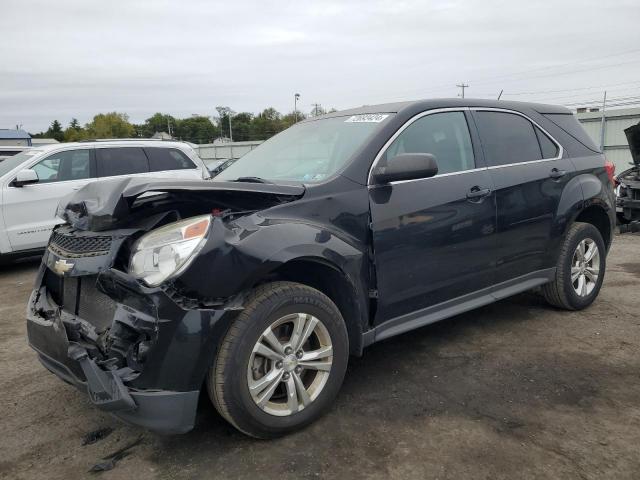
[32,182]
[259,285]
[7,151]
[628,181]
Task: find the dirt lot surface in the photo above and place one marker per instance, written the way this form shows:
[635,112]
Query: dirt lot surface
[513,390]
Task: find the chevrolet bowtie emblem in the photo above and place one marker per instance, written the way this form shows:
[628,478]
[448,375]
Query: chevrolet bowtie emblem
[62,266]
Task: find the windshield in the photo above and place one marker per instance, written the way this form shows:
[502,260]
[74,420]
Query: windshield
[12,162]
[307,152]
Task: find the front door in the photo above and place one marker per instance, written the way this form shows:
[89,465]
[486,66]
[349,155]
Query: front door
[30,211]
[433,238]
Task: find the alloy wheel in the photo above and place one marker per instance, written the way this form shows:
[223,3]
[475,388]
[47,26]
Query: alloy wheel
[585,267]
[290,364]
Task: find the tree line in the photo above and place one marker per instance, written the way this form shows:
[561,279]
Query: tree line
[196,129]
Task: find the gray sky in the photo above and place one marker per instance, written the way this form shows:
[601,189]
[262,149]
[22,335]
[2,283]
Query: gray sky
[76,58]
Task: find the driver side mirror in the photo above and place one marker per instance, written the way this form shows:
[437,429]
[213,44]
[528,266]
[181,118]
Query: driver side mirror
[26,177]
[406,166]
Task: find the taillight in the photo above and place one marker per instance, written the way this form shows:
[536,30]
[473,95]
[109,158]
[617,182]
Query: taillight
[611,171]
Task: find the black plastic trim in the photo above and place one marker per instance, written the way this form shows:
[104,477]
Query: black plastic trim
[456,306]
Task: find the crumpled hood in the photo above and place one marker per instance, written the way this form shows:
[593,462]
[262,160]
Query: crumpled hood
[633,137]
[109,204]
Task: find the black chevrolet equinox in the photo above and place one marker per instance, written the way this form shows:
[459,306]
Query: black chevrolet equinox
[341,231]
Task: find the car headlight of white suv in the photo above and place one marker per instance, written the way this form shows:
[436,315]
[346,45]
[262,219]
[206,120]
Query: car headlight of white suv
[165,252]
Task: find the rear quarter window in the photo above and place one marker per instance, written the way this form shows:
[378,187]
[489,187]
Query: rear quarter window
[161,159]
[570,124]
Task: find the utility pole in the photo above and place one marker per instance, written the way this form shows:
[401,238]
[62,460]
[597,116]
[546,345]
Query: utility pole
[296,97]
[462,86]
[603,122]
[315,109]
[230,131]
[169,127]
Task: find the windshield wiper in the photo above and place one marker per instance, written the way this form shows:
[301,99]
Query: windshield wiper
[251,180]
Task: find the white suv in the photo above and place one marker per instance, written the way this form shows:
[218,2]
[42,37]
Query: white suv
[33,182]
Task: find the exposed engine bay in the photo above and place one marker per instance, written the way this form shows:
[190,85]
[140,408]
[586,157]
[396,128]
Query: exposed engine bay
[628,186]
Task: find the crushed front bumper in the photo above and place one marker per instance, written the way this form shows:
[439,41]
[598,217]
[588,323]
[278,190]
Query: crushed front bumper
[157,389]
[160,411]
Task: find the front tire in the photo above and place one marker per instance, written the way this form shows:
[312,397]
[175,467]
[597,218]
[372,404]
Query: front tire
[580,269]
[281,363]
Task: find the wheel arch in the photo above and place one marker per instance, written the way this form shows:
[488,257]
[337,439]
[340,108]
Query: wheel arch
[584,199]
[596,214]
[331,280]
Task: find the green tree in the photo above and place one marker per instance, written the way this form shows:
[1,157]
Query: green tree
[74,132]
[291,118]
[266,124]
[223,121]
[158,122]
[110,125]
[55,131]
[196,129]
[242,124]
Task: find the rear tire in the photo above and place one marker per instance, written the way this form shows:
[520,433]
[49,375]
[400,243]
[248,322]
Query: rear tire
[580,269]
[281,363]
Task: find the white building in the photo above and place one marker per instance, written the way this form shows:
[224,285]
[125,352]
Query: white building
[616,148]
[39,142]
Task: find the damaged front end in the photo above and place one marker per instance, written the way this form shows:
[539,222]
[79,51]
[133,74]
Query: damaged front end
[139,351]
[628,183]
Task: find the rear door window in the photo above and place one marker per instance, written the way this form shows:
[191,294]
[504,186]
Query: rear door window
[161,159]
[548,147]
[444,135]
[507,138]
[64,166]
[121,161]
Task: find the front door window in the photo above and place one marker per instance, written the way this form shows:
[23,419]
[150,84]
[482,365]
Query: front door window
[63,166]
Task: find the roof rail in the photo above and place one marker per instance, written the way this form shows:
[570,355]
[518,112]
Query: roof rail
[126,140]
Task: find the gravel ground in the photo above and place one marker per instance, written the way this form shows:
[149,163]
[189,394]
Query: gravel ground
[513,390]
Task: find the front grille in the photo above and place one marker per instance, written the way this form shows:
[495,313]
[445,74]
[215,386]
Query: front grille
[94,306]
[73,246]
[80,296]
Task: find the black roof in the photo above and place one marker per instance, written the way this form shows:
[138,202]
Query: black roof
[419,105]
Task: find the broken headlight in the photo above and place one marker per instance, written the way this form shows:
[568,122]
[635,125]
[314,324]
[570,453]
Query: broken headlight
[166,251]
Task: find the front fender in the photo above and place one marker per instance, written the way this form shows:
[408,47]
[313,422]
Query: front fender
[240,253]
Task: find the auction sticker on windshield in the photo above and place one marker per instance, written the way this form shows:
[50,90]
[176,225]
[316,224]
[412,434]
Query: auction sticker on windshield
[367,118]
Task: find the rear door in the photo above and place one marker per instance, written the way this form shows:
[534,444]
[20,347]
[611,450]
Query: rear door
[433,238]
[529,174]
[29,211]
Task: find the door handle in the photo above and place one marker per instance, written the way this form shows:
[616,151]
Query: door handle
[555,173]
[478,193]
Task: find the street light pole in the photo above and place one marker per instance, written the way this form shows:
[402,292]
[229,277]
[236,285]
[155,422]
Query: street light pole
[603,121]
[296,97]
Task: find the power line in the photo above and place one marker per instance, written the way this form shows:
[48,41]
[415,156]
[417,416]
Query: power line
[462,86]
[626,98]
[499,79]
[572,89]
